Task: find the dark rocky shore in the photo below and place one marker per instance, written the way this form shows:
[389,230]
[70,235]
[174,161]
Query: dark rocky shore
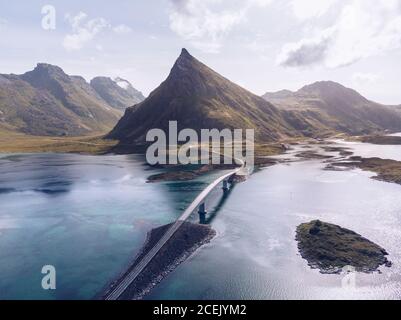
[182,244]
[330,248]
[382,140]
[343,151]
[386,169]
[313,155]
[173,176]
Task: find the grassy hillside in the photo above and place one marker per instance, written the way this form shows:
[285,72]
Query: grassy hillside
[48,102]
[328,106]
[12,142]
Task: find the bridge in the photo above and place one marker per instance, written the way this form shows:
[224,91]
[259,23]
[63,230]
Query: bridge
[199,202]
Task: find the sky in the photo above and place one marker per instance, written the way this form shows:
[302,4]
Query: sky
[263,45]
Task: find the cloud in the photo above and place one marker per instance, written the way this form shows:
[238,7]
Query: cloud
[307,9]
[122,28]
[363,28]
[83,30]
[362,78]
[306,52]
[205,23]
[195,21]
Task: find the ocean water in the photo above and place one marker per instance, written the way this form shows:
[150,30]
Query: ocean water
[89,215]
[86,215]
[255,254]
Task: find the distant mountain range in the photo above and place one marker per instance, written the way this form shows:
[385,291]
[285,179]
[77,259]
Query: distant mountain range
[118,93]
[327,105]
[47,101]
[197,97]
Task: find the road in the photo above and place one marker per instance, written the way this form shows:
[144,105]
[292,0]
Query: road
[120,288]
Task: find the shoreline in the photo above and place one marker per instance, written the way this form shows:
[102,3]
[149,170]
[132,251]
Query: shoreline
[174,265]
[14,143]
[95,143]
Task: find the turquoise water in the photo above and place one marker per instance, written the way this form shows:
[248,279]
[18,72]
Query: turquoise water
[89,215]
[86,215]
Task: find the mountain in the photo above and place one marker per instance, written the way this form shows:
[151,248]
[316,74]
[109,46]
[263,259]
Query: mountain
[25,109]
[199,98]
[327,105]
[118,93]
[47,101]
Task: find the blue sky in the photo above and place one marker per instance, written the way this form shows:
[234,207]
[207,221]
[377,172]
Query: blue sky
[263,45]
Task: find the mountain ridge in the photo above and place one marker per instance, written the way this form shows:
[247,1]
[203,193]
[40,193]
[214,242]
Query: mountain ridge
[337,108]
[119,96]
[197,97]
[46,101]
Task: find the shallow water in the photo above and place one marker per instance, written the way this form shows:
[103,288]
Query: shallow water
[88,216]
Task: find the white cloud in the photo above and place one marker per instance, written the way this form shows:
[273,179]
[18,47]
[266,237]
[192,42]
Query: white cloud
[83,30]
[205,23]
[260,3]
[362,78]
[122,28]
[364,28]
[306,52]
[194,21]
[306,9]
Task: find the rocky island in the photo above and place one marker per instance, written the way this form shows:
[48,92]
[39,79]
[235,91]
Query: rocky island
[330,248]
[181,173]
[263,153]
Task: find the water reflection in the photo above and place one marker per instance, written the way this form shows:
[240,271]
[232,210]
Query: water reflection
[210,216]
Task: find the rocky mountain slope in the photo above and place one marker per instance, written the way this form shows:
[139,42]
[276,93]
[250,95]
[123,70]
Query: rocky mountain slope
[327,105]
[47,101]
[118,93]
[199,98]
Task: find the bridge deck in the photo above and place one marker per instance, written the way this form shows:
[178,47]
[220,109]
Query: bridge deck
[120,288]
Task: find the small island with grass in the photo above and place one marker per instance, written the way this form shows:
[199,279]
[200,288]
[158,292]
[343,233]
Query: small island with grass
[330,248]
